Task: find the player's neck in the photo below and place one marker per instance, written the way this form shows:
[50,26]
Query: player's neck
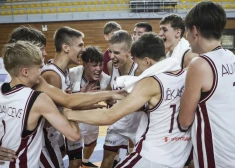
[17,80]
[206,45]
[174,44]
[61,61]
[125,69]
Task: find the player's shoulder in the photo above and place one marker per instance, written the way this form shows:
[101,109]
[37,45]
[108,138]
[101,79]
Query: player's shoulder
[41,98]
[198,63]
[189,55]
[149,84]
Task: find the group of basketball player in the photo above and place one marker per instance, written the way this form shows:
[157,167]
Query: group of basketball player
[166,116]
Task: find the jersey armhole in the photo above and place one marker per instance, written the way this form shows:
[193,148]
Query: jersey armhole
[206,95]
[162,94]
[29,105]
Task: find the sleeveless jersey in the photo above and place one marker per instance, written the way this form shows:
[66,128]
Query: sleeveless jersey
[127,125]
[163,142]
[14,112]
[55,137]
[78,81]
[213,128]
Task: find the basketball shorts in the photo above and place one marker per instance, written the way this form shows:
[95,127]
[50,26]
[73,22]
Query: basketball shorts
[114,141]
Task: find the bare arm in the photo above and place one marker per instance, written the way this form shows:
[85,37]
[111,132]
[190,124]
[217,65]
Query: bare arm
[68,128]
[142,90]
[76,100]
[188,58]
[52,78]
[199,79]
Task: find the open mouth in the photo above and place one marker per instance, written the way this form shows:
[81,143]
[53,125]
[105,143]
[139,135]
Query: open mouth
[115,62]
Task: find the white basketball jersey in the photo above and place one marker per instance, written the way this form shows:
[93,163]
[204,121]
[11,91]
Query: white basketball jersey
[65,82]
[78,81]
[54,136]
[14,112]
[127,125]
[213,128]
[162,141]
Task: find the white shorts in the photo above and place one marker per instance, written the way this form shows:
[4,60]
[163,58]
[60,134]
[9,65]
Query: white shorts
[134,160]
[89,133]
[73,147]
[114,141]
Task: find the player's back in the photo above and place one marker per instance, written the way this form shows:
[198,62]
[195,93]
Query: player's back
[214,122]
[163,142]
[15,106]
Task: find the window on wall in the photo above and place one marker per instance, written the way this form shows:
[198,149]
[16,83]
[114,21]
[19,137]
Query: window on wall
[228,39]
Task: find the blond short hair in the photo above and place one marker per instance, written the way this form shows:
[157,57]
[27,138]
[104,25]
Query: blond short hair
[20,54]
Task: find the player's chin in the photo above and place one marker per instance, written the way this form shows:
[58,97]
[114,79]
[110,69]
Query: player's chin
[77,62]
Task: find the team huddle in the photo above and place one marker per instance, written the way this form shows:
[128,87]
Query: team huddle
[168,110]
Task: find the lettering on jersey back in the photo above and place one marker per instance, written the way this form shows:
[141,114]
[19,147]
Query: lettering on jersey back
[174,93]
[11,111]
[228,69]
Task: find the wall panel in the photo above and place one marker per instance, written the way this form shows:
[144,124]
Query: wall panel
[93,31]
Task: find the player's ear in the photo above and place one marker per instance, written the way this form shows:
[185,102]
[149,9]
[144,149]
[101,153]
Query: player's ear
[65,47]
[106,37]
[195,32]
[178,33]
[25,71]
[147,61]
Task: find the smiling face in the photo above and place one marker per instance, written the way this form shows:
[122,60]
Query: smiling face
[118,54]
[76,50]
[170,36]
[93,70]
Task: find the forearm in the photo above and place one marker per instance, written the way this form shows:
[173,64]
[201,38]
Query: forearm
[73,101]
[80,100]
[94,117]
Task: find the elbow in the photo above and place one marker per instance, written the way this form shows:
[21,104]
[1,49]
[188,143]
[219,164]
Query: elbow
[111,120]
[184,124]
[75,137]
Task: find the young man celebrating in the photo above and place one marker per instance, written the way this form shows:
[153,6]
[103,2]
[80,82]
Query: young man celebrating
[172,29]
[208,100]
[162,143]
[87,78]
[109,29]
[69,48]
[21,107]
